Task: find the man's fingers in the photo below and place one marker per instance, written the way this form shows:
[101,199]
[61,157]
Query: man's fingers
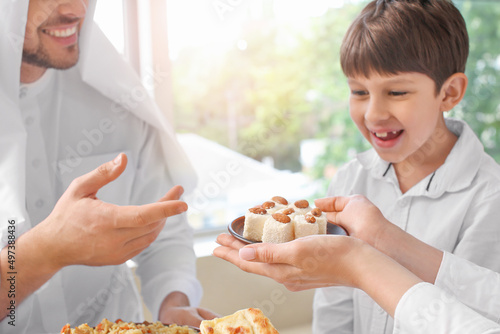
[207,314]
[137,216]
[173,194]
[88,184]
[332,204]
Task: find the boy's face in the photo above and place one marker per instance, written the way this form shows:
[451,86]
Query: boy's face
[52,29]
[398,114]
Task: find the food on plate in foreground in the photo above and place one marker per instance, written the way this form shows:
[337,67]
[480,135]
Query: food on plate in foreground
[277,221]
[248,321]
[122,327]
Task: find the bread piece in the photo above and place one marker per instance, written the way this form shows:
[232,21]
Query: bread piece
[246,321]
[277,229]
[305,225]
[254,223]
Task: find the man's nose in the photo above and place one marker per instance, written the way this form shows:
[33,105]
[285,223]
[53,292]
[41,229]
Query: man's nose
[73,8]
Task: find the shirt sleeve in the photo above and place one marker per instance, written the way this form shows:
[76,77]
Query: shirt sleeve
[425,308]
[169,263]
[475,286]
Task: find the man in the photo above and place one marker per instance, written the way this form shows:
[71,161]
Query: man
[74,207]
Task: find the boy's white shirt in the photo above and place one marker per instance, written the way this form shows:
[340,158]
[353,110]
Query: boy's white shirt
[467,302]
[456,209]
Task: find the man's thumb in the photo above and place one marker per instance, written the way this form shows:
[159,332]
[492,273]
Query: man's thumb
[90,183]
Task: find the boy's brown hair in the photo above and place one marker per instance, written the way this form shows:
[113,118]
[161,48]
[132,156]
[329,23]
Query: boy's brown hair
[394,36]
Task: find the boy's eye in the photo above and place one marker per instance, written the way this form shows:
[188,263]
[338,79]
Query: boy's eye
[359,92]
[396,93]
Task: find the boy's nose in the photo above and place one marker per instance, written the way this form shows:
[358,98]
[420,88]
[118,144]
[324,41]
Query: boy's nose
[376,111]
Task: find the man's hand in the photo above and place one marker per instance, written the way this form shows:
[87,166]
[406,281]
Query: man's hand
[175,309]
[84,230]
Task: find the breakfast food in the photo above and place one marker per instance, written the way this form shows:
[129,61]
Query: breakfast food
[246,321]
[293,221]
[122,327]
[278,228]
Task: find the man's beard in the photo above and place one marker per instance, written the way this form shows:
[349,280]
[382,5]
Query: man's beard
[41,58]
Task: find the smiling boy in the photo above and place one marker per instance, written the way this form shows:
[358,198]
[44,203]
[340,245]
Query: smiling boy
[429,175]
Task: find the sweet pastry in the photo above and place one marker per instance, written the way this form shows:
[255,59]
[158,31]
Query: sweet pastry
[301,207]
[320,220]
[246,321]
[305,225]
[277,229]
[294,221]
[254,223]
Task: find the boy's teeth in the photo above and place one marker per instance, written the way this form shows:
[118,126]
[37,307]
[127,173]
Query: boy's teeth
[385,134]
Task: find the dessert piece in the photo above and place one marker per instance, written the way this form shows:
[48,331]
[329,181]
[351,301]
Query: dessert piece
[301,207]
[280,202]
[320,220]
[270,207]
[305,225]
[278,228]
[248,321]
[254,223]
[290,212]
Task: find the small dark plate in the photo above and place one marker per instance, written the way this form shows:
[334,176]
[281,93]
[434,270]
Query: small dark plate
[236,229]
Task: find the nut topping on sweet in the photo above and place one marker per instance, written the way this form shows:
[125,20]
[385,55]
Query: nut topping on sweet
[316,212]
[288,211]
[310,219]
[282,218]
[268,205]
[302,204]
[280,200]
[258,211]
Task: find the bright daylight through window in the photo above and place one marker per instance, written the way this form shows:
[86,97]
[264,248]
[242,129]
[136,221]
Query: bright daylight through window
[260,102]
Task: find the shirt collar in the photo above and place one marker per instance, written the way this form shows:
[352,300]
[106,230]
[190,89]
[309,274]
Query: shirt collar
[457,172]
[33,89]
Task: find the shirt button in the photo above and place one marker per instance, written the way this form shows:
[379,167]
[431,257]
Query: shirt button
[403,202]
[29,120]
[22,92]
[36,163]
[40,203]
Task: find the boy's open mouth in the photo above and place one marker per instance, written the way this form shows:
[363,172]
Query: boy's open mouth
[385,136]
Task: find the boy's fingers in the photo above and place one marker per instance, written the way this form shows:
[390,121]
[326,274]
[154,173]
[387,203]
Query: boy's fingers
[265,253]
[332,204]
[91,182]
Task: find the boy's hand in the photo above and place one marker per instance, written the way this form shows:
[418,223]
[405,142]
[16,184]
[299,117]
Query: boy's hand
[356,214]
[84,230]
[306,263]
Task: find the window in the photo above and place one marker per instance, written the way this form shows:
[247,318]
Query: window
[260,102]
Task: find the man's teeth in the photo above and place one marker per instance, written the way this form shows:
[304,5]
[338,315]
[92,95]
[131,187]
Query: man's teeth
[62,33]
[385,134]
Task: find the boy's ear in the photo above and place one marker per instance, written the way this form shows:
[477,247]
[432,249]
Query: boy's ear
[453,91]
